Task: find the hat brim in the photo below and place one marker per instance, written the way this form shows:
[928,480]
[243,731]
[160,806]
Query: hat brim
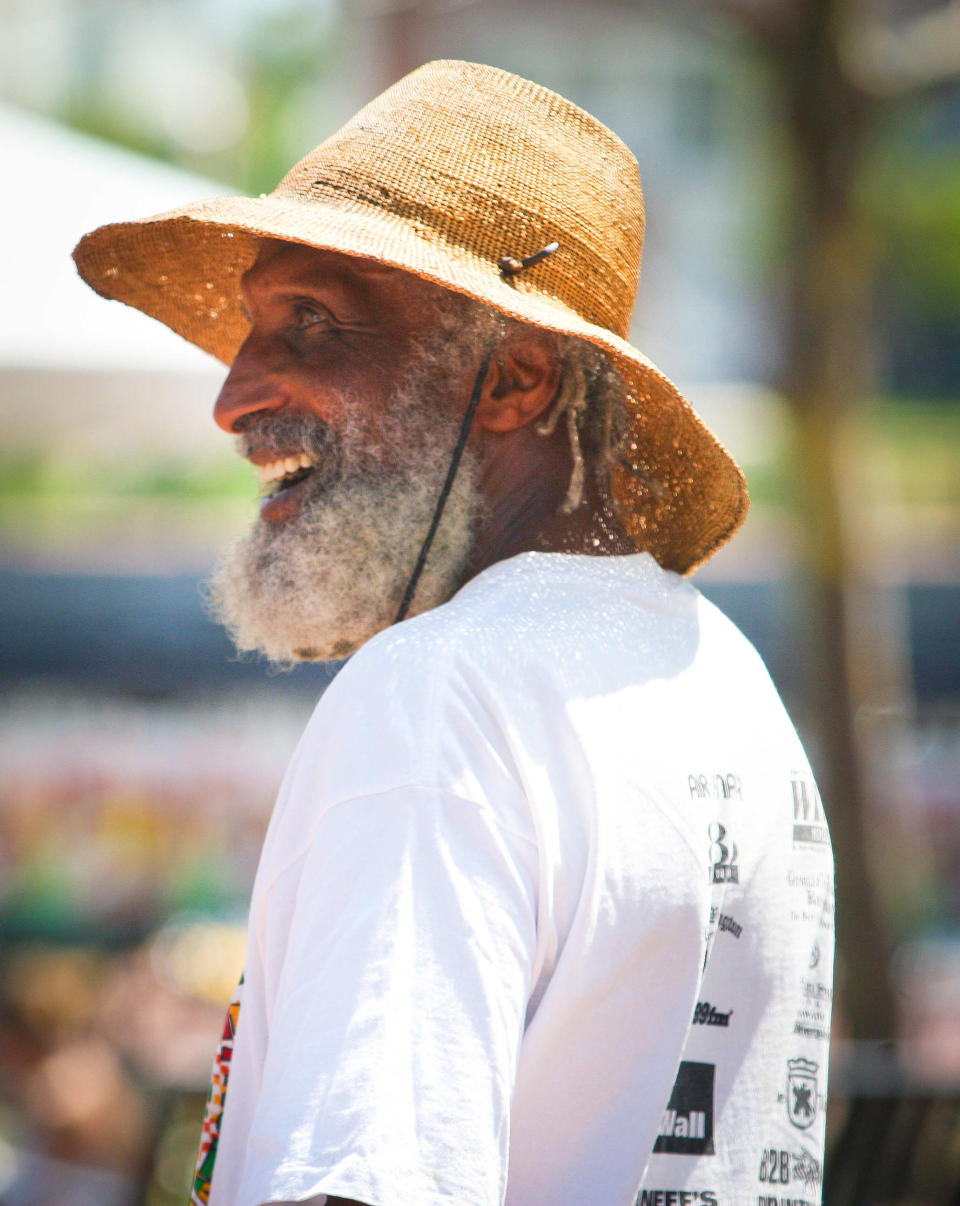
[678,492]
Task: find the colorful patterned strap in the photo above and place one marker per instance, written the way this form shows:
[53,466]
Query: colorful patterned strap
[216,1099]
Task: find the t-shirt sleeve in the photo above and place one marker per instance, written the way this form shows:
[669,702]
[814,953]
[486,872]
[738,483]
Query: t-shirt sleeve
[396,1018]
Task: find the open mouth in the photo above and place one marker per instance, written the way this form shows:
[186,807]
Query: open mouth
[284,473]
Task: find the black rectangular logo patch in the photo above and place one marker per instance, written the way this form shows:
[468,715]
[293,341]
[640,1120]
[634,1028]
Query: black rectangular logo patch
[686,1128]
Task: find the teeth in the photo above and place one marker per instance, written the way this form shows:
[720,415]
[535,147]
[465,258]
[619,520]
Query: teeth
[283,466]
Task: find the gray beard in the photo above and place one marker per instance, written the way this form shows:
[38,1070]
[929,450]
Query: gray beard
[320,584]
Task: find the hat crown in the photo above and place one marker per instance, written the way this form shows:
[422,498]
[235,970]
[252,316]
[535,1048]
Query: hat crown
[493,165]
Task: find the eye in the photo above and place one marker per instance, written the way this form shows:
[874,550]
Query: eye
[310,314]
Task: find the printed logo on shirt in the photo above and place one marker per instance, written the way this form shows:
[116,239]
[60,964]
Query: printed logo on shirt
[724,922]
[809,822]
[723,855]
[767,1200]
[813,1016]
[781,1166]
[802,1097]
[721,923]
[686,1128]
[718,786]
[815,892]
[706,1014]
[676,1197]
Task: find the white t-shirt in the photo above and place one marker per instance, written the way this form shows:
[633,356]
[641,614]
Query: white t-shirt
[543,916]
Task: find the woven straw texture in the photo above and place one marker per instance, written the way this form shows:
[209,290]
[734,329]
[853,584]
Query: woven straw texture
[454,167]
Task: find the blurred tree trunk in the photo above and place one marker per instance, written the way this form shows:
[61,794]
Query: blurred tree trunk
[827,368]
[829,288]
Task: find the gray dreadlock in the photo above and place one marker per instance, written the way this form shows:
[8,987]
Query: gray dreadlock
[591,395]
[590,399]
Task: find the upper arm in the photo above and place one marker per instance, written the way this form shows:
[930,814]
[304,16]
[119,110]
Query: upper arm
[398,1011]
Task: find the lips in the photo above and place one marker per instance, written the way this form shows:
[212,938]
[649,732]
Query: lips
[285,499]
[291,453]
[282,479]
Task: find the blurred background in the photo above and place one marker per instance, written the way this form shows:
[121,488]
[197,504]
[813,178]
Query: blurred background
[801,162]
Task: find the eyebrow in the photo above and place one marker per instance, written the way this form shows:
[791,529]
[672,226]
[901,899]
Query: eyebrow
[345,269]
[286,293]
[345,293]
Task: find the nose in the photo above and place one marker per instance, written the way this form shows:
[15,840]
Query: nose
[252,385]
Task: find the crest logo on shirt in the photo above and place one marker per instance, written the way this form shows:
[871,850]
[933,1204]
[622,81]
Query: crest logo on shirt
[809,821]
[686,1128]
[723,855]
[802,1092]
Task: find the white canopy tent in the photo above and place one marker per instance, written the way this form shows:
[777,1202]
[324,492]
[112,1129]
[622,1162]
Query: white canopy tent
[72,366]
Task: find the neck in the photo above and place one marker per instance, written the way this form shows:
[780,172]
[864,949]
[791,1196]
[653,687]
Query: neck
[525,479]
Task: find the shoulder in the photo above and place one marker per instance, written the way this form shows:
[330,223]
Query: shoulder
[528,600]
[420,704]
[534,619]
[466,635]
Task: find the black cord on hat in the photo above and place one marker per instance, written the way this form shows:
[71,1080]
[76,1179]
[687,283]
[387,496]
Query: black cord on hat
[447,485]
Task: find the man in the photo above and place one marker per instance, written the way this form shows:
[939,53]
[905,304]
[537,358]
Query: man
[544,912]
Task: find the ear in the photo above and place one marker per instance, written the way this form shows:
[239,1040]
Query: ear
[521,383]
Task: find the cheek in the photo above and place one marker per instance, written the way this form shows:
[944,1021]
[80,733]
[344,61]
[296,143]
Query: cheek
[350,373]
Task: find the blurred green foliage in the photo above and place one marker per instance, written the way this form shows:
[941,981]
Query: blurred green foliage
[286,56]
[281,55]
[50,504]
[914,438]
[31,474]
[920,440]
[916,205]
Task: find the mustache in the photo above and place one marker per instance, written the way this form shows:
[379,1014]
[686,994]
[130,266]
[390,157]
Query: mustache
[283,433]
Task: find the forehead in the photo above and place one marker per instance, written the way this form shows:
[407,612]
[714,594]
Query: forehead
[285,267]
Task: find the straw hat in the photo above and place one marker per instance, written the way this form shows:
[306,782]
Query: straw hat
[456,173]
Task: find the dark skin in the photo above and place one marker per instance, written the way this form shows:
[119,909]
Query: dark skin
[324,323]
